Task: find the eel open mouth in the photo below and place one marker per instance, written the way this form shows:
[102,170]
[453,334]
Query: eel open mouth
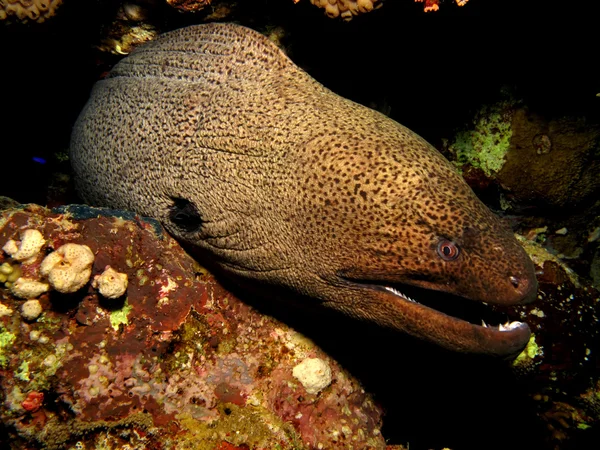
[448,320]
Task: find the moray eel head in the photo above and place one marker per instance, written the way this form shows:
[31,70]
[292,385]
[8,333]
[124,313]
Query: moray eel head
[407,241]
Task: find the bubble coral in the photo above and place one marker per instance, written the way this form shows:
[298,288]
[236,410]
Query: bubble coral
[26,10]
[69,268]
[111,283]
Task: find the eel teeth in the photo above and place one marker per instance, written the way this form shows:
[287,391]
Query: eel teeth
[399,294]
[506,327]
[509,326]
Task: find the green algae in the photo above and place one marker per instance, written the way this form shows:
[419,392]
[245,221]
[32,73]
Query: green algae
[189,341]
[119,316]
[532,349]
[22,372]
[239,426]
[6,340]
[486,142]
[57,433]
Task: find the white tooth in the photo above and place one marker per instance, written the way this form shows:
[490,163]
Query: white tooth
[509,326]
[399,294]
[483,323]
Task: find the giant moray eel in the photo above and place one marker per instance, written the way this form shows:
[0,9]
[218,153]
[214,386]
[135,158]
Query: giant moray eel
[215,132]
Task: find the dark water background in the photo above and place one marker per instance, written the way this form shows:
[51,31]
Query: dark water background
[428,70]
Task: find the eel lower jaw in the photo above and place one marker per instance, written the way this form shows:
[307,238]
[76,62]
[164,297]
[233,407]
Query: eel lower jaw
[404,313]
[503,327]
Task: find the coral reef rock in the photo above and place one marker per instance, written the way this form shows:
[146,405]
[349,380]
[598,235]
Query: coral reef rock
[177,362]
[538,161]
[559,367]
[552,161]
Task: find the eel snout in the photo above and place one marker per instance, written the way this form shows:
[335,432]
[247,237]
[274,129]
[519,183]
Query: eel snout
[524,288]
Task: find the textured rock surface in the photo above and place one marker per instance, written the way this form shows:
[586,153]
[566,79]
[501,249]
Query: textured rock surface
[559,369]
[176,363]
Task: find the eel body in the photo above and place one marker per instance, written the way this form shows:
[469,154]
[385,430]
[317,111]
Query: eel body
[215,132]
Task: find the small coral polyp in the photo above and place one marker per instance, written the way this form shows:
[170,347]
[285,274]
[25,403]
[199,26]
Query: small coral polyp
[28,10]
[111,283]
[314,374]
[31,309]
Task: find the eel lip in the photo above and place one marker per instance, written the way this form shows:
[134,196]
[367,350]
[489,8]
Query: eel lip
[445,329]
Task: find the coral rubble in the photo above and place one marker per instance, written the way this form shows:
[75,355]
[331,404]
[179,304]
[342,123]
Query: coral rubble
[173,361]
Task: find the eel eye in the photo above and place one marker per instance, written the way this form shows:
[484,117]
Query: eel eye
[184,214]
[448,250]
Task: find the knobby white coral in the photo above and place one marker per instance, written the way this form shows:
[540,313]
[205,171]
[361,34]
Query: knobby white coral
[25,287]
[27,248]
[110,283]
[314,374]
[69,268]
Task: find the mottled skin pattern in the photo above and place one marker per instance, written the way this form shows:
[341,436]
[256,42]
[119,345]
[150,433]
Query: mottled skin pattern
[214,131]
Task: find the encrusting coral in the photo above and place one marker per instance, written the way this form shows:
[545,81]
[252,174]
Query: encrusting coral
[28,10]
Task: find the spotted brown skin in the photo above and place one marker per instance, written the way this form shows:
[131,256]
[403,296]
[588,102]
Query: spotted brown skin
[214,131]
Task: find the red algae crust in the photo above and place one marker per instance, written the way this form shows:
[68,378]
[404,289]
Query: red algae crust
[176,362]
